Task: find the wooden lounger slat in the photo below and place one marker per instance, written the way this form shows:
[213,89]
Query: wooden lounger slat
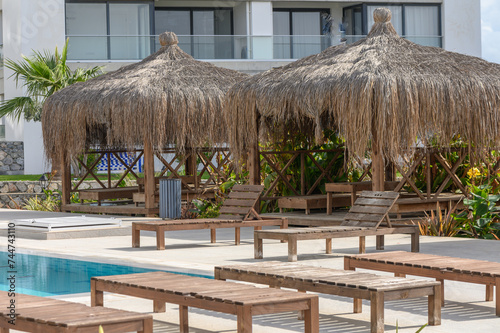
[433,266]
[233,210]
[368,209]
[339,282]
[40,314]
[374,202]
[214,295]
[239,203]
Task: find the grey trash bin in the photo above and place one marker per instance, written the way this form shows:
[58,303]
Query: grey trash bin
[170,198]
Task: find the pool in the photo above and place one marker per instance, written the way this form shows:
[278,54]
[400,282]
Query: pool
[49,276]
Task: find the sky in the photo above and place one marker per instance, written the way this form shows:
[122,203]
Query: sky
[490,26]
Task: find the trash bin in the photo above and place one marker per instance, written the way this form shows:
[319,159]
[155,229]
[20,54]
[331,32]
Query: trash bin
[170,198]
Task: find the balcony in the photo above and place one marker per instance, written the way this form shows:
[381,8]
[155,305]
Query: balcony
[233,47]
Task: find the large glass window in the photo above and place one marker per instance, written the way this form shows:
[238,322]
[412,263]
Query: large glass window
[298,32]
[205,33]
[420,23]
[108,30]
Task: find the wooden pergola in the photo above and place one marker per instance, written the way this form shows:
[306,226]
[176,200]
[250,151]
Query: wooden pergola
[382,94]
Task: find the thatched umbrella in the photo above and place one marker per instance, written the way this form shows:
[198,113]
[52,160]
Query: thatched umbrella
[382,92]
[167,98]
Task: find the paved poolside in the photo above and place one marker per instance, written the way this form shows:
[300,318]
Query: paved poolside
[191,251]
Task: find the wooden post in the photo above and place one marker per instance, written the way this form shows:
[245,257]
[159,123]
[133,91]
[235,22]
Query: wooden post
[109,169]
[149,176]
[428,175]
[253,165]
[66,180]
[378,167]
[302,173]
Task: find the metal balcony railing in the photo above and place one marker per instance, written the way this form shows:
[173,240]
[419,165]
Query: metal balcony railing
[211,47]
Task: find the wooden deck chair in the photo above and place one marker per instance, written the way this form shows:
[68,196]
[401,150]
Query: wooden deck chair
[365,218]
[237,211]
[43,314]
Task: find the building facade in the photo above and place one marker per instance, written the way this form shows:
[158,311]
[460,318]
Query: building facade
[250,36]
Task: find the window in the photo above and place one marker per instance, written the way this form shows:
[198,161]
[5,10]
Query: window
[204,33]
[108,30]
[298,32]
[418,23]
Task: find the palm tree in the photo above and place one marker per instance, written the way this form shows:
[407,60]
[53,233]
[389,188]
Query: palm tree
[42,75]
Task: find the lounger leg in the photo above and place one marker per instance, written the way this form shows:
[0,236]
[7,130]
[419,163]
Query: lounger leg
[292,248]
[434,307]
[258,251]
[415,243]
[244,318]
[329,203]
[347,264]
[380,242]
[362,244]
[96,296]
[377,312]
[284,225]
[311,317]
[237,236]
[136,236]
[183,319]
[160,238]
[497,295]
[158,306]
[442,291]
[147,326]
[328,245]
[357,305]
[301,313]
[489,292]
[212,235]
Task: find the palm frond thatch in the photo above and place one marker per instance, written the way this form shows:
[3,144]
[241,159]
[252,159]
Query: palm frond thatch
[382,84]
[167,98]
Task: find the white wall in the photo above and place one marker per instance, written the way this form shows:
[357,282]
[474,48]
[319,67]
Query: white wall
[30,25]
[462,26]
[261,24]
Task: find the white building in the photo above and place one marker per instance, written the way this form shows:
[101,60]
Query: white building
[250,36]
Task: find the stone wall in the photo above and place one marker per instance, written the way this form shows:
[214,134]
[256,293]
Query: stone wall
[11,157]
[13,194]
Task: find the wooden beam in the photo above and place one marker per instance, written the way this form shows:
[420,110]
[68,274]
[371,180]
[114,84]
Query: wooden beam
[66,180]
[149,175]
[253,165]
[378,167]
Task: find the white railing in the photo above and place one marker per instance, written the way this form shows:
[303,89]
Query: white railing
[212,47]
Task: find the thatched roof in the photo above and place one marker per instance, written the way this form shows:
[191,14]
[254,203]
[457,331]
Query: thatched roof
[167,98]
[382,83]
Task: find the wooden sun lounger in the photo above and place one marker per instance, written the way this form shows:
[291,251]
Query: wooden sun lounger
[434,266]
[242,300]
[364,219]
[377,289]
[100,194]
[237,212]
[42,314]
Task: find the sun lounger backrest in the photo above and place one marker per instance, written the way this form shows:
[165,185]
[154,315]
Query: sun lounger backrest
[240,203]
[370,209]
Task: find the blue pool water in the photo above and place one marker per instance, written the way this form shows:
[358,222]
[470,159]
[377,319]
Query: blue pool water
[48,276]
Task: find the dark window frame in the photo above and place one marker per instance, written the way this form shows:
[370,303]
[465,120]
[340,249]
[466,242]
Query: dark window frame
[364,13]
[192,9]
[290,20]
[108,26]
